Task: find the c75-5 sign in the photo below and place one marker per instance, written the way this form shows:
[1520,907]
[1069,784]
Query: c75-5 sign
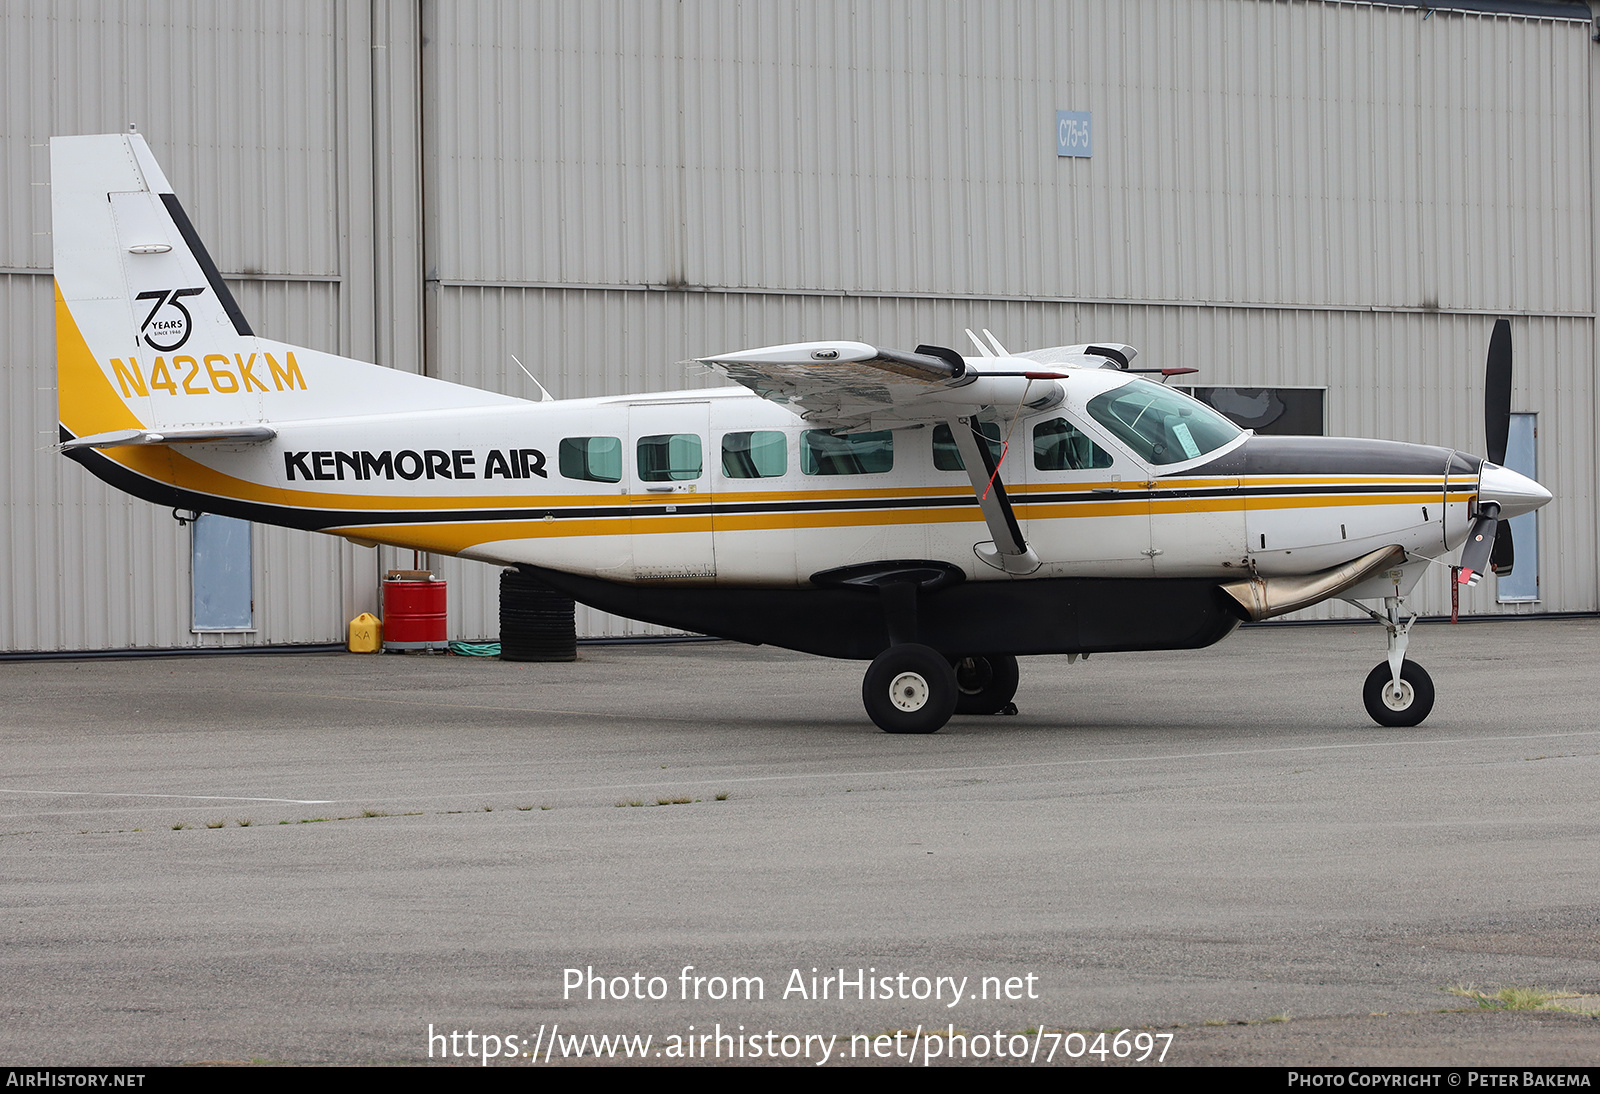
[1073,133]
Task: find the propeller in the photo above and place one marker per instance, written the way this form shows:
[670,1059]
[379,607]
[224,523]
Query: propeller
[1489,545]
[1497,392]
[1476,556]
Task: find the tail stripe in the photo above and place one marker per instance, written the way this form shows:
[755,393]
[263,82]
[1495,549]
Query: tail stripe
[190,237]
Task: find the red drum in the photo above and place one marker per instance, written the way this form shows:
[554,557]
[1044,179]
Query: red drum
[413,612]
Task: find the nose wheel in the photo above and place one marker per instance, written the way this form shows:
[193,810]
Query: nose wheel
[1397,692]
[1406,705]
[910,689]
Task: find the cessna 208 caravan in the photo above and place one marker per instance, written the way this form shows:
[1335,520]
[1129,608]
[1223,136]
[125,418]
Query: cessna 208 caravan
[935,514]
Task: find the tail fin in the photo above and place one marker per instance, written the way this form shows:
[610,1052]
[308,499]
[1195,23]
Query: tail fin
[148,336]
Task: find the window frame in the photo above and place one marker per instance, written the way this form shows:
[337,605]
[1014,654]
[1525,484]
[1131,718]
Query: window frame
[806,450]
[586,454]
[749,449]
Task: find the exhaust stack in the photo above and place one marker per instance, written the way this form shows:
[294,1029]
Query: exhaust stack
[1259,598]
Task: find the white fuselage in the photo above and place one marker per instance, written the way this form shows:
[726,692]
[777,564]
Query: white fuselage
[500,484]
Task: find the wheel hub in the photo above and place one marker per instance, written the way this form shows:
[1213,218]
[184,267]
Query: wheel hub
[909,692]
[1400,700]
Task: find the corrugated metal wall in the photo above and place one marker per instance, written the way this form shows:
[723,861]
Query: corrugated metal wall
[1325,194]
[240,104]
[1248,153]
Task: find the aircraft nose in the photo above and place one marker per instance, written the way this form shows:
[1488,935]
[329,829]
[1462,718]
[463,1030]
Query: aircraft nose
[1515,493]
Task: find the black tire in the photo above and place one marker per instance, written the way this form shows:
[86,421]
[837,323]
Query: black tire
[985,684]
[536,621]
[1417,693]
[909,689]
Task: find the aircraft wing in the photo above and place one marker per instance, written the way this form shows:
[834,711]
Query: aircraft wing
[853,386]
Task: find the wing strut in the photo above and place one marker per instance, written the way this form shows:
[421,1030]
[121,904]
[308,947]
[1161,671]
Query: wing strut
[1009,551]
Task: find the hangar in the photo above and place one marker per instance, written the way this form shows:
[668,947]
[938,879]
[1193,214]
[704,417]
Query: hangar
[1322,206]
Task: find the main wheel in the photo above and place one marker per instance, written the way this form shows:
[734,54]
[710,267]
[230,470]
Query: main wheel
[909,689]
[984,685]
[1409,707]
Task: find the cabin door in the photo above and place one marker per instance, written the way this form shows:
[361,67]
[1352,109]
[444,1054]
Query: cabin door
[669,479]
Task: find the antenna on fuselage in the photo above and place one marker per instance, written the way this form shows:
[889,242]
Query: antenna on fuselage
[983,349]
[544,396]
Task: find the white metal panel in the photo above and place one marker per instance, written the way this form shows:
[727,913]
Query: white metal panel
[236,101]
[1252,152]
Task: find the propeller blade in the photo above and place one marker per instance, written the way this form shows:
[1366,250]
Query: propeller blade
[1501,558]
[1497,392]
[1480,542]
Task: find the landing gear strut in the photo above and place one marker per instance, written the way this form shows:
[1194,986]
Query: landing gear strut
[1397,692]
[913,688]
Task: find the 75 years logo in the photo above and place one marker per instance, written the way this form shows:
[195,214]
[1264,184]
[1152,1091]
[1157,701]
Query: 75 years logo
[168,325]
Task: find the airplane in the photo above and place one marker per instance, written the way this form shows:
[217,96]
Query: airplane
[934,514]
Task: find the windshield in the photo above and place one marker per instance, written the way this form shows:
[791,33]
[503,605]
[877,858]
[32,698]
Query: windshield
[1159,424]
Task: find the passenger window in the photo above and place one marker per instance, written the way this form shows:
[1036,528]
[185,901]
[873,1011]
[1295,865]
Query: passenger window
[1058,445]
[823,453]
[597,459]
[671,457]
[763,454]
[947,457]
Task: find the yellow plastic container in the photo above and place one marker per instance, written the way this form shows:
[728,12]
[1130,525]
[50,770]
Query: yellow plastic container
[366,633]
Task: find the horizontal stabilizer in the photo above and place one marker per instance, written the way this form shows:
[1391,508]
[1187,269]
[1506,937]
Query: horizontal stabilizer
[219,434]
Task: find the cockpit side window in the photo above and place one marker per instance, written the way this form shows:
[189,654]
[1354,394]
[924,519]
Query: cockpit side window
[1161,425]
[1058,445]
